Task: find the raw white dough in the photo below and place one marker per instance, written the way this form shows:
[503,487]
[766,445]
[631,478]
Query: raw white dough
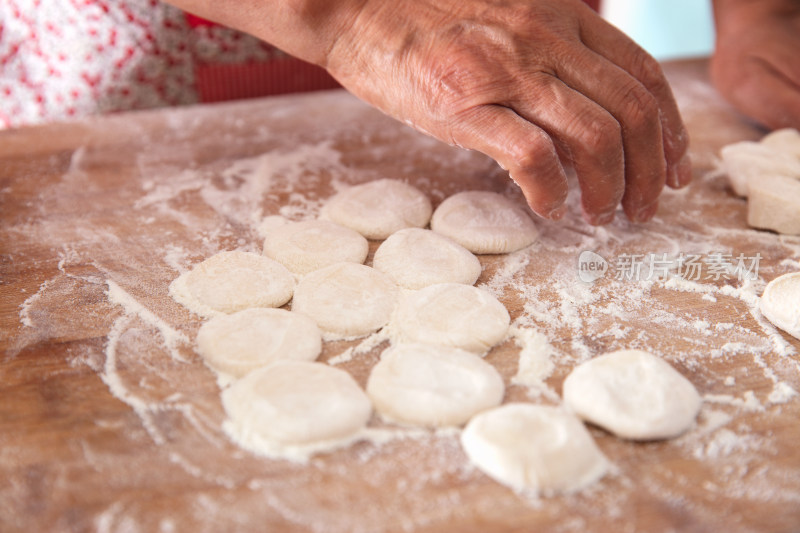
[774,204]
[243,341]
[780,303]
[303,247]
[484,222]
[415,258]
[451,314]
[432,385]
[748,161]
[346,299]
[534,448]
[633,394]
[786,140]
[379,208]
[231,281]
[294,408]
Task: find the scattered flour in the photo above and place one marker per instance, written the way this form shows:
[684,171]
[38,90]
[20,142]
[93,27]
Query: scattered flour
[535,364]
[558,321]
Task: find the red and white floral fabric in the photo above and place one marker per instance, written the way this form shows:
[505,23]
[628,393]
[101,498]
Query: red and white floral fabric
[64,59]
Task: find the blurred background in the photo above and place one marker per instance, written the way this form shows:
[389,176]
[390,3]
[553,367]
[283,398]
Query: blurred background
[668,29]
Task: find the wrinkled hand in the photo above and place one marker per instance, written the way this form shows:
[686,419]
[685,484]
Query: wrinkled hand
[756,64]
[524,81]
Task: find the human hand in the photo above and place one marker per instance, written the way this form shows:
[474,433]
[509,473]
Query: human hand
[522,81]
[756,64]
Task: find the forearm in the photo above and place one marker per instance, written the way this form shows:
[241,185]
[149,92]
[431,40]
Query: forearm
[307,29]
[738,11]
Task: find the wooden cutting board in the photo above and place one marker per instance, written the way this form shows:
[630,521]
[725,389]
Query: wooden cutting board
[106,426]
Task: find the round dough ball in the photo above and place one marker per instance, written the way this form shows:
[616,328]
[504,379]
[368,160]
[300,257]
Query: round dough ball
[451,314]
[303,247]
[534,448]
[433,385]
[780,303]
[379,208]
[231,281]
[633,394]
[239,343]
[484,222]
[346,299]
[295,403]
[415,258]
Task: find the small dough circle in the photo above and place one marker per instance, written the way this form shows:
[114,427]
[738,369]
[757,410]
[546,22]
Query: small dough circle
[484,222]
[451,314]
[291,403]
[780,303]
[633,394]
[379,208]
[346,299]
[303,247]
[533,448]
[433,385]
[239,343]
[415,258]
[231,281]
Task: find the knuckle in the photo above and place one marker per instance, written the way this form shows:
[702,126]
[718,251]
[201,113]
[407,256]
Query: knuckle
[639,108]
[649,71]
[531,156]
[453,82]
[598,135]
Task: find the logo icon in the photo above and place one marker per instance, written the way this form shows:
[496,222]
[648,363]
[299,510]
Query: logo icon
[591,266]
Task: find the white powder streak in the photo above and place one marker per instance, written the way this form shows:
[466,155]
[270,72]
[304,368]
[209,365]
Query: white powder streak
[171,336]
[535,364]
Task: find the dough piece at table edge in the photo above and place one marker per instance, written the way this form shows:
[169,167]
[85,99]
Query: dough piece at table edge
[746,161]
[774,204]
[785,140]
[780,303]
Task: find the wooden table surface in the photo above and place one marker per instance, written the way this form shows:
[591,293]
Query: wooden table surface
[109,421]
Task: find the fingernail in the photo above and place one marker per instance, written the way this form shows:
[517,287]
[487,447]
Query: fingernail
[557,213]
[602,219]
[646,213]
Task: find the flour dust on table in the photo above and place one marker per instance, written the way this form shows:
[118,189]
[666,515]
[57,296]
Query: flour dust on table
[418,295]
